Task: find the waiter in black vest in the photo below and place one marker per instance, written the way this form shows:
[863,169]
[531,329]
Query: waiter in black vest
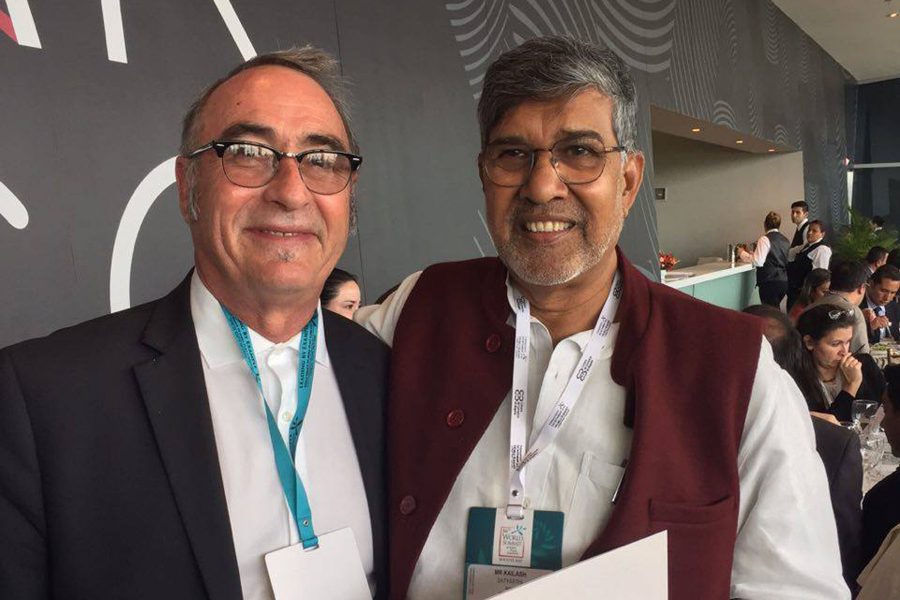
[803,259]
[770,260]
[800,218]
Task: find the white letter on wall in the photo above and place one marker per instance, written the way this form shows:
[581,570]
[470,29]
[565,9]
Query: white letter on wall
[115,33]
[23,23]
[235,28]
[11,209]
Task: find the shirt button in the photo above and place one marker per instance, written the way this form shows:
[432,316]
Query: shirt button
[455,418]
[493,342]
[286,417]
[407,505]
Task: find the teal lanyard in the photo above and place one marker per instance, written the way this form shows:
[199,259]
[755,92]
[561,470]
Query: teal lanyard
[291,483]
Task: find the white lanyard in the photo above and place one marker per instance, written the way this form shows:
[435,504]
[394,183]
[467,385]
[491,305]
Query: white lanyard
[518,458]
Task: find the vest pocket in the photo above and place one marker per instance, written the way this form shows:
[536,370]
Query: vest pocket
[701,545]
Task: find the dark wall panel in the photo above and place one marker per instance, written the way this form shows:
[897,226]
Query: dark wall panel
[81,132]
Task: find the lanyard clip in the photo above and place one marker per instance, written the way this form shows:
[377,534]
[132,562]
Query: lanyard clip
[515,511]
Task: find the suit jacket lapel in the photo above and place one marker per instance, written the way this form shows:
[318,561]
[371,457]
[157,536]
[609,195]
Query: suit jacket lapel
[174,393]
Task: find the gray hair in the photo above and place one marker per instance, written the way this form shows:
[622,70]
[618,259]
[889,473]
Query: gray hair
[316,64]
[553,67]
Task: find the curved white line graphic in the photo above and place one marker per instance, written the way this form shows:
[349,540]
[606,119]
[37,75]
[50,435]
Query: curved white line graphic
[146,193]
[12,209]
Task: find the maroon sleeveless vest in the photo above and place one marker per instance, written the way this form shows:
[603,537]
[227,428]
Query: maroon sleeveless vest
[687,367]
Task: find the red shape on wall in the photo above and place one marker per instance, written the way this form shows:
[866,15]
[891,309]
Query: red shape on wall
[6,26]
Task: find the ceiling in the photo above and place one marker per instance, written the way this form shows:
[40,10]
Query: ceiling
[857,33]
[684,126]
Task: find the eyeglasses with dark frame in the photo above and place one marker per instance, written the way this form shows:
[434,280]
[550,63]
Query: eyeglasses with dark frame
[834,315]
[574,162]
[253,165]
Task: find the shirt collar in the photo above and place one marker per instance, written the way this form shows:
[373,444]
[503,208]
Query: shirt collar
[803,222]
[773,229]
[581,338]
[217,344]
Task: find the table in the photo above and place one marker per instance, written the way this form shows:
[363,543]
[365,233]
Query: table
[718,283]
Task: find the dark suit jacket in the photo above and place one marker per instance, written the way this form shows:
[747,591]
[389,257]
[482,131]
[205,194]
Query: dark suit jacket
[839,451]
[881,513]
[110,484]
[892,311]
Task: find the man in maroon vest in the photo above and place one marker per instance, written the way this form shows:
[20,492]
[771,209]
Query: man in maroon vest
[633,408]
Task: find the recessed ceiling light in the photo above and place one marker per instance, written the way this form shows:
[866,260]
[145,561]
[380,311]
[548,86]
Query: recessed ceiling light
[739,141]
[893,15]
[771,149]
[695,129]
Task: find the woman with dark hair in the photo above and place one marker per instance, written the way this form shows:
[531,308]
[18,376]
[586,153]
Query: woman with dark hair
[827,330]
[788,351]
[837,446]
[815,286]
[341,294]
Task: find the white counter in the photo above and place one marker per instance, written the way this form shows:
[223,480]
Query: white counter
[702,273]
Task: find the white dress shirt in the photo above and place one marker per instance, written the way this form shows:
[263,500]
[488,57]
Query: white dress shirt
[786,541]
[820,257]
[761,252]
[261,521]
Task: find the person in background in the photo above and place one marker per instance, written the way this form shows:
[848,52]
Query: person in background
[877,223]
[770,259]
[838,447]
[803,259]
[847,288]
[827,330]
[800,218]
[341,294]
[893,257]
[882,314]
[875,257]
[815,286]
[881,506]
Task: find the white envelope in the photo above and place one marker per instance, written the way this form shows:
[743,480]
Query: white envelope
[638,571]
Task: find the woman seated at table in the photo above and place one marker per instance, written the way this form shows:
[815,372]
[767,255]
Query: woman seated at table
[815,286]
[827,330]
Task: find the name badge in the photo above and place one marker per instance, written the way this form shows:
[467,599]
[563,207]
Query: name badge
[503,553]
[332,570]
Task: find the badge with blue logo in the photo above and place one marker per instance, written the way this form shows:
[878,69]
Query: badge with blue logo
[503,553]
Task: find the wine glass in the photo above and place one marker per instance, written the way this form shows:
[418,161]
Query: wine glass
[872,447]
[861,412]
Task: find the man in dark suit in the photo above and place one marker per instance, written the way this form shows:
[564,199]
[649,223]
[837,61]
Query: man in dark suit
[881,506]
[879,307]
[800,218]
[839,450]
[150,453]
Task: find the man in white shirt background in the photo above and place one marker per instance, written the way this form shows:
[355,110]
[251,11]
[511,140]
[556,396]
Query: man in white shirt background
[166,450]
[486,355]
[814,254]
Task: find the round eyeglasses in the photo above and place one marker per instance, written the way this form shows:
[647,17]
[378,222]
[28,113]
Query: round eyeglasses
[575,162]
[253,165]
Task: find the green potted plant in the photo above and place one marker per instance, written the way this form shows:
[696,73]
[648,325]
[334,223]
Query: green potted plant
[854,240]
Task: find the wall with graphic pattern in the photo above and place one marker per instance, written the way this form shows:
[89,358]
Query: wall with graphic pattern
[93,93]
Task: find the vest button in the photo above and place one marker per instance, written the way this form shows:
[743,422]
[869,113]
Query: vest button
[407,505]
[493,342]
[455,418]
